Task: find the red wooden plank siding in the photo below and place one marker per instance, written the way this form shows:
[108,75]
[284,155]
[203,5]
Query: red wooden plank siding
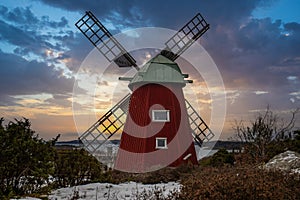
[139,135]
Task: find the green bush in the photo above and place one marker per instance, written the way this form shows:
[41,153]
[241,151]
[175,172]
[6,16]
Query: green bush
[75,167]
[26,160]
[220,158]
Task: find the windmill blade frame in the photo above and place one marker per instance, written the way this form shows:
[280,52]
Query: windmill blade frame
[108,125]
[200,130]
[104,41]
[185,37]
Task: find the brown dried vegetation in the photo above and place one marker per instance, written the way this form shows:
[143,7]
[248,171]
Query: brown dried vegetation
[239,183]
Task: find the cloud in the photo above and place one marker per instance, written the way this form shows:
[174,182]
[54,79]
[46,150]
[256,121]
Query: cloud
[165,14]
[295,93]
[256,56]
[253,55]
[292,26]
[251,52]
[14,35]
[258,92]
[78,48]
[236,41]
[117,15]
[22,77]
[61,24]
[26,18]
[31,36]
[7,100]
[19,15]
[40,46]
[61,100]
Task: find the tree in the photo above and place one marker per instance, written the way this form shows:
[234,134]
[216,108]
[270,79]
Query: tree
[265,129]
[26,161]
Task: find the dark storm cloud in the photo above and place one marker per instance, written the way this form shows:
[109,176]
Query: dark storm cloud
[252,54]
[21,28]
[18,15]
[45,21]
[78,48]
[45,39]
[26,18]
[32,35]
[293,26]
[248,51]
[104,8]
[22,77]
[167,14]
[119,14]
[26,41]
[258,52]
[14,35]
[162,13]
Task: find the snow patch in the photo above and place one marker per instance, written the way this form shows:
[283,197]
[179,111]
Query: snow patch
[27,198]
[112,191]
[104,191]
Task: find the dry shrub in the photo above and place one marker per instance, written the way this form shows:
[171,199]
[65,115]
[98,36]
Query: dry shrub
[160,176]
[239,183]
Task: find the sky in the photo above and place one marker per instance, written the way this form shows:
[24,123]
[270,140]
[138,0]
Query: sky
[254,43]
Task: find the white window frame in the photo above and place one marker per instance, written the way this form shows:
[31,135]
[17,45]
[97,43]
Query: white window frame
[160,120]
[161,147]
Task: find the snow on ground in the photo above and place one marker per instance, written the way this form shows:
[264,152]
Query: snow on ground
[101,191]
[27,198]
[112,191]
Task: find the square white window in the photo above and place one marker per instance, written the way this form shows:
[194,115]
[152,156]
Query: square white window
[161,143]
[160,115]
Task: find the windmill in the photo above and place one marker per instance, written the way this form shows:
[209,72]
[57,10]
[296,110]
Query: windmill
[158,124]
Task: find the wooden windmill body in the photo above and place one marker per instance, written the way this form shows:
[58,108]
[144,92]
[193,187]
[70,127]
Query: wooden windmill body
[161,124]
[157,114]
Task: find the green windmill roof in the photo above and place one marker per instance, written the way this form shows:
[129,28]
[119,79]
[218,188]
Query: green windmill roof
[159,70]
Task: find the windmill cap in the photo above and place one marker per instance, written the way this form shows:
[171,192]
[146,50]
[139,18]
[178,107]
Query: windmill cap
[159,70]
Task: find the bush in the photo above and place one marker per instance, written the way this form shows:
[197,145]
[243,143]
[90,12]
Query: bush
[75,167]
[222,157]
[26,160]
[239,183]
[160,176]
[266,129]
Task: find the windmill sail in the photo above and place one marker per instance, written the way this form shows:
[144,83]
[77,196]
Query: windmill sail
[104,41]
[200,131]
[114,120]
[185,37]
[109,124]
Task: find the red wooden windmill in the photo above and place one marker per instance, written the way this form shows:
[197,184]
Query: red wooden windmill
[161,124]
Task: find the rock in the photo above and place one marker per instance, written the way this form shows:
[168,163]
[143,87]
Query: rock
[288,162]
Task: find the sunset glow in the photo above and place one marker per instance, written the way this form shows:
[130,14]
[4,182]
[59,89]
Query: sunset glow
[256,50]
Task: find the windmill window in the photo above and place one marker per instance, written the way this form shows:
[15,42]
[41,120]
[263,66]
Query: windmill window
[161,143]
[160,115]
